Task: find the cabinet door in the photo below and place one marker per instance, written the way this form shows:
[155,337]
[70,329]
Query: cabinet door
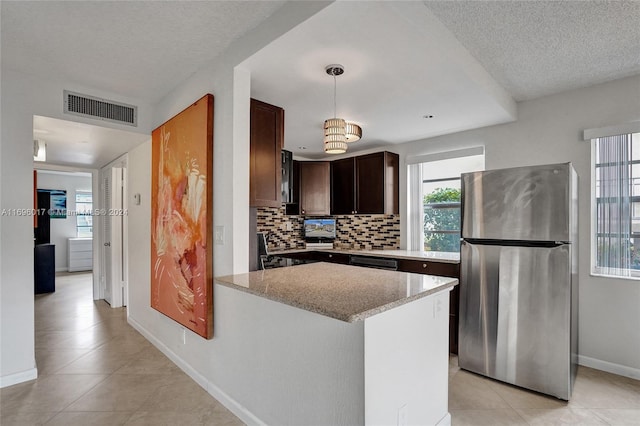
[377,183]
[343,186]
[391,183]
[293,208]
[267,137]
[370,183]
[314,187]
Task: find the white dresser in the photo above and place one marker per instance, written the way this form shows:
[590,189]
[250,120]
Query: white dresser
[80,254]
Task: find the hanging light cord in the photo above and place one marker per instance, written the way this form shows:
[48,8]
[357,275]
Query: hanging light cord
[335,114]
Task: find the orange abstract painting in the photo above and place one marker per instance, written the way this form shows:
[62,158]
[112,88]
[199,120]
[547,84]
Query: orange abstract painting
[182,218]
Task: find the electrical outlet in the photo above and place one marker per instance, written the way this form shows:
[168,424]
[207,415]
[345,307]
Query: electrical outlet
[184,336]
[218,235]
[403,416]
[289,226]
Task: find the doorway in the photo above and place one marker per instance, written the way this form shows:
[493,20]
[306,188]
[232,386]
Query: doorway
[114,235]
[77,146]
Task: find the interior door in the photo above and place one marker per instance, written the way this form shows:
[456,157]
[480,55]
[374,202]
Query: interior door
[105,270]
[116,217]
[113,212]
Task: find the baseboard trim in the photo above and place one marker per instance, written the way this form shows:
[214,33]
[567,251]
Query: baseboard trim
[445,421]
[231,404]
[609,367]
[14,379]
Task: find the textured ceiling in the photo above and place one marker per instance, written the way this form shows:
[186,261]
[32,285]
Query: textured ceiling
[400,64]
[528,49]
[536,48]
[136,49]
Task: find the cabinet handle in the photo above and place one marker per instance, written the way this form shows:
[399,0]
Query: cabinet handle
[424,266]
[330,256]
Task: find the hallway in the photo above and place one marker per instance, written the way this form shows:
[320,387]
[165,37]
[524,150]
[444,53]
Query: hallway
[93,368]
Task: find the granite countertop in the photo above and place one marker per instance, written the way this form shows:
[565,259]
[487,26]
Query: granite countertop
[344,292]
[434,256]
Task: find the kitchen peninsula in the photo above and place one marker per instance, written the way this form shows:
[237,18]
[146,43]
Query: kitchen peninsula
[325,343]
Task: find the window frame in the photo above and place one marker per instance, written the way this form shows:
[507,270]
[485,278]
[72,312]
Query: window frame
[78,214]
[433,166]
[443,205]
[595,269]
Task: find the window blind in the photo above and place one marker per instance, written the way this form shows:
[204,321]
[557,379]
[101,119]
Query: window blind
[613,202]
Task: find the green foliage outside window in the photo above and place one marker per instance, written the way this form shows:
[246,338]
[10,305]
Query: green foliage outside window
[442,220]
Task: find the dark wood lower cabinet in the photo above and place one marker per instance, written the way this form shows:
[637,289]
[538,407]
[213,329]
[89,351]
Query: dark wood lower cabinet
[332,257]
[427,267]
[454,319]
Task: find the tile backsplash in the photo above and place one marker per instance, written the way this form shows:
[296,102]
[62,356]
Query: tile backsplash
[360,232]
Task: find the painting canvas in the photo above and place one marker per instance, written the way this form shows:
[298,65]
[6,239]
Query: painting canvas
[58,203]
[182,218]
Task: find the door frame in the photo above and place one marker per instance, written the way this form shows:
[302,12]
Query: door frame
[119,293]
[95,190]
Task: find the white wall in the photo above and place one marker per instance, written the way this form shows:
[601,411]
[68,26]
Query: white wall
[24,96]
[62,229]
[230,87]
[549,130]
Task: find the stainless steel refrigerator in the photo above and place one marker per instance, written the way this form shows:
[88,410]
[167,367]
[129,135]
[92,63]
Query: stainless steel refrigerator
[518,277]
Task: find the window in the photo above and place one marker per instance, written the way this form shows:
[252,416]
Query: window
[434,193]
[84,219]
[616,200]
[441,207]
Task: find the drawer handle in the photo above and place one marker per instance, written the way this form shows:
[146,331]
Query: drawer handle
[330,255]
[424,266]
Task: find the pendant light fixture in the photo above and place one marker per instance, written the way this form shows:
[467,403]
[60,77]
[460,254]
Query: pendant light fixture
[337,131]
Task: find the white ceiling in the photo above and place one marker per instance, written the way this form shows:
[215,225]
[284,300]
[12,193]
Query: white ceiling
[400,65]
[459,61]
[83,145]
[463,62]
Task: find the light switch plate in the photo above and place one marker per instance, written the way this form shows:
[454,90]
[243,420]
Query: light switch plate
[218,236]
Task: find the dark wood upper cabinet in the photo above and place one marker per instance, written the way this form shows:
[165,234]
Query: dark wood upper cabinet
[343,186]
[314,187]
[366,184]
[267,139]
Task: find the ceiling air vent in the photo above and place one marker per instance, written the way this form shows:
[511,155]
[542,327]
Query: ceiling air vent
[101,109]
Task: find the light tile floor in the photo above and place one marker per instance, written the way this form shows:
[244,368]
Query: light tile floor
[95,369]
[598,398]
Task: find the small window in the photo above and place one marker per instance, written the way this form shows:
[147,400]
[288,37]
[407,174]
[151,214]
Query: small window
[616,205]
[441,203]
[434,217]
[84,218]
